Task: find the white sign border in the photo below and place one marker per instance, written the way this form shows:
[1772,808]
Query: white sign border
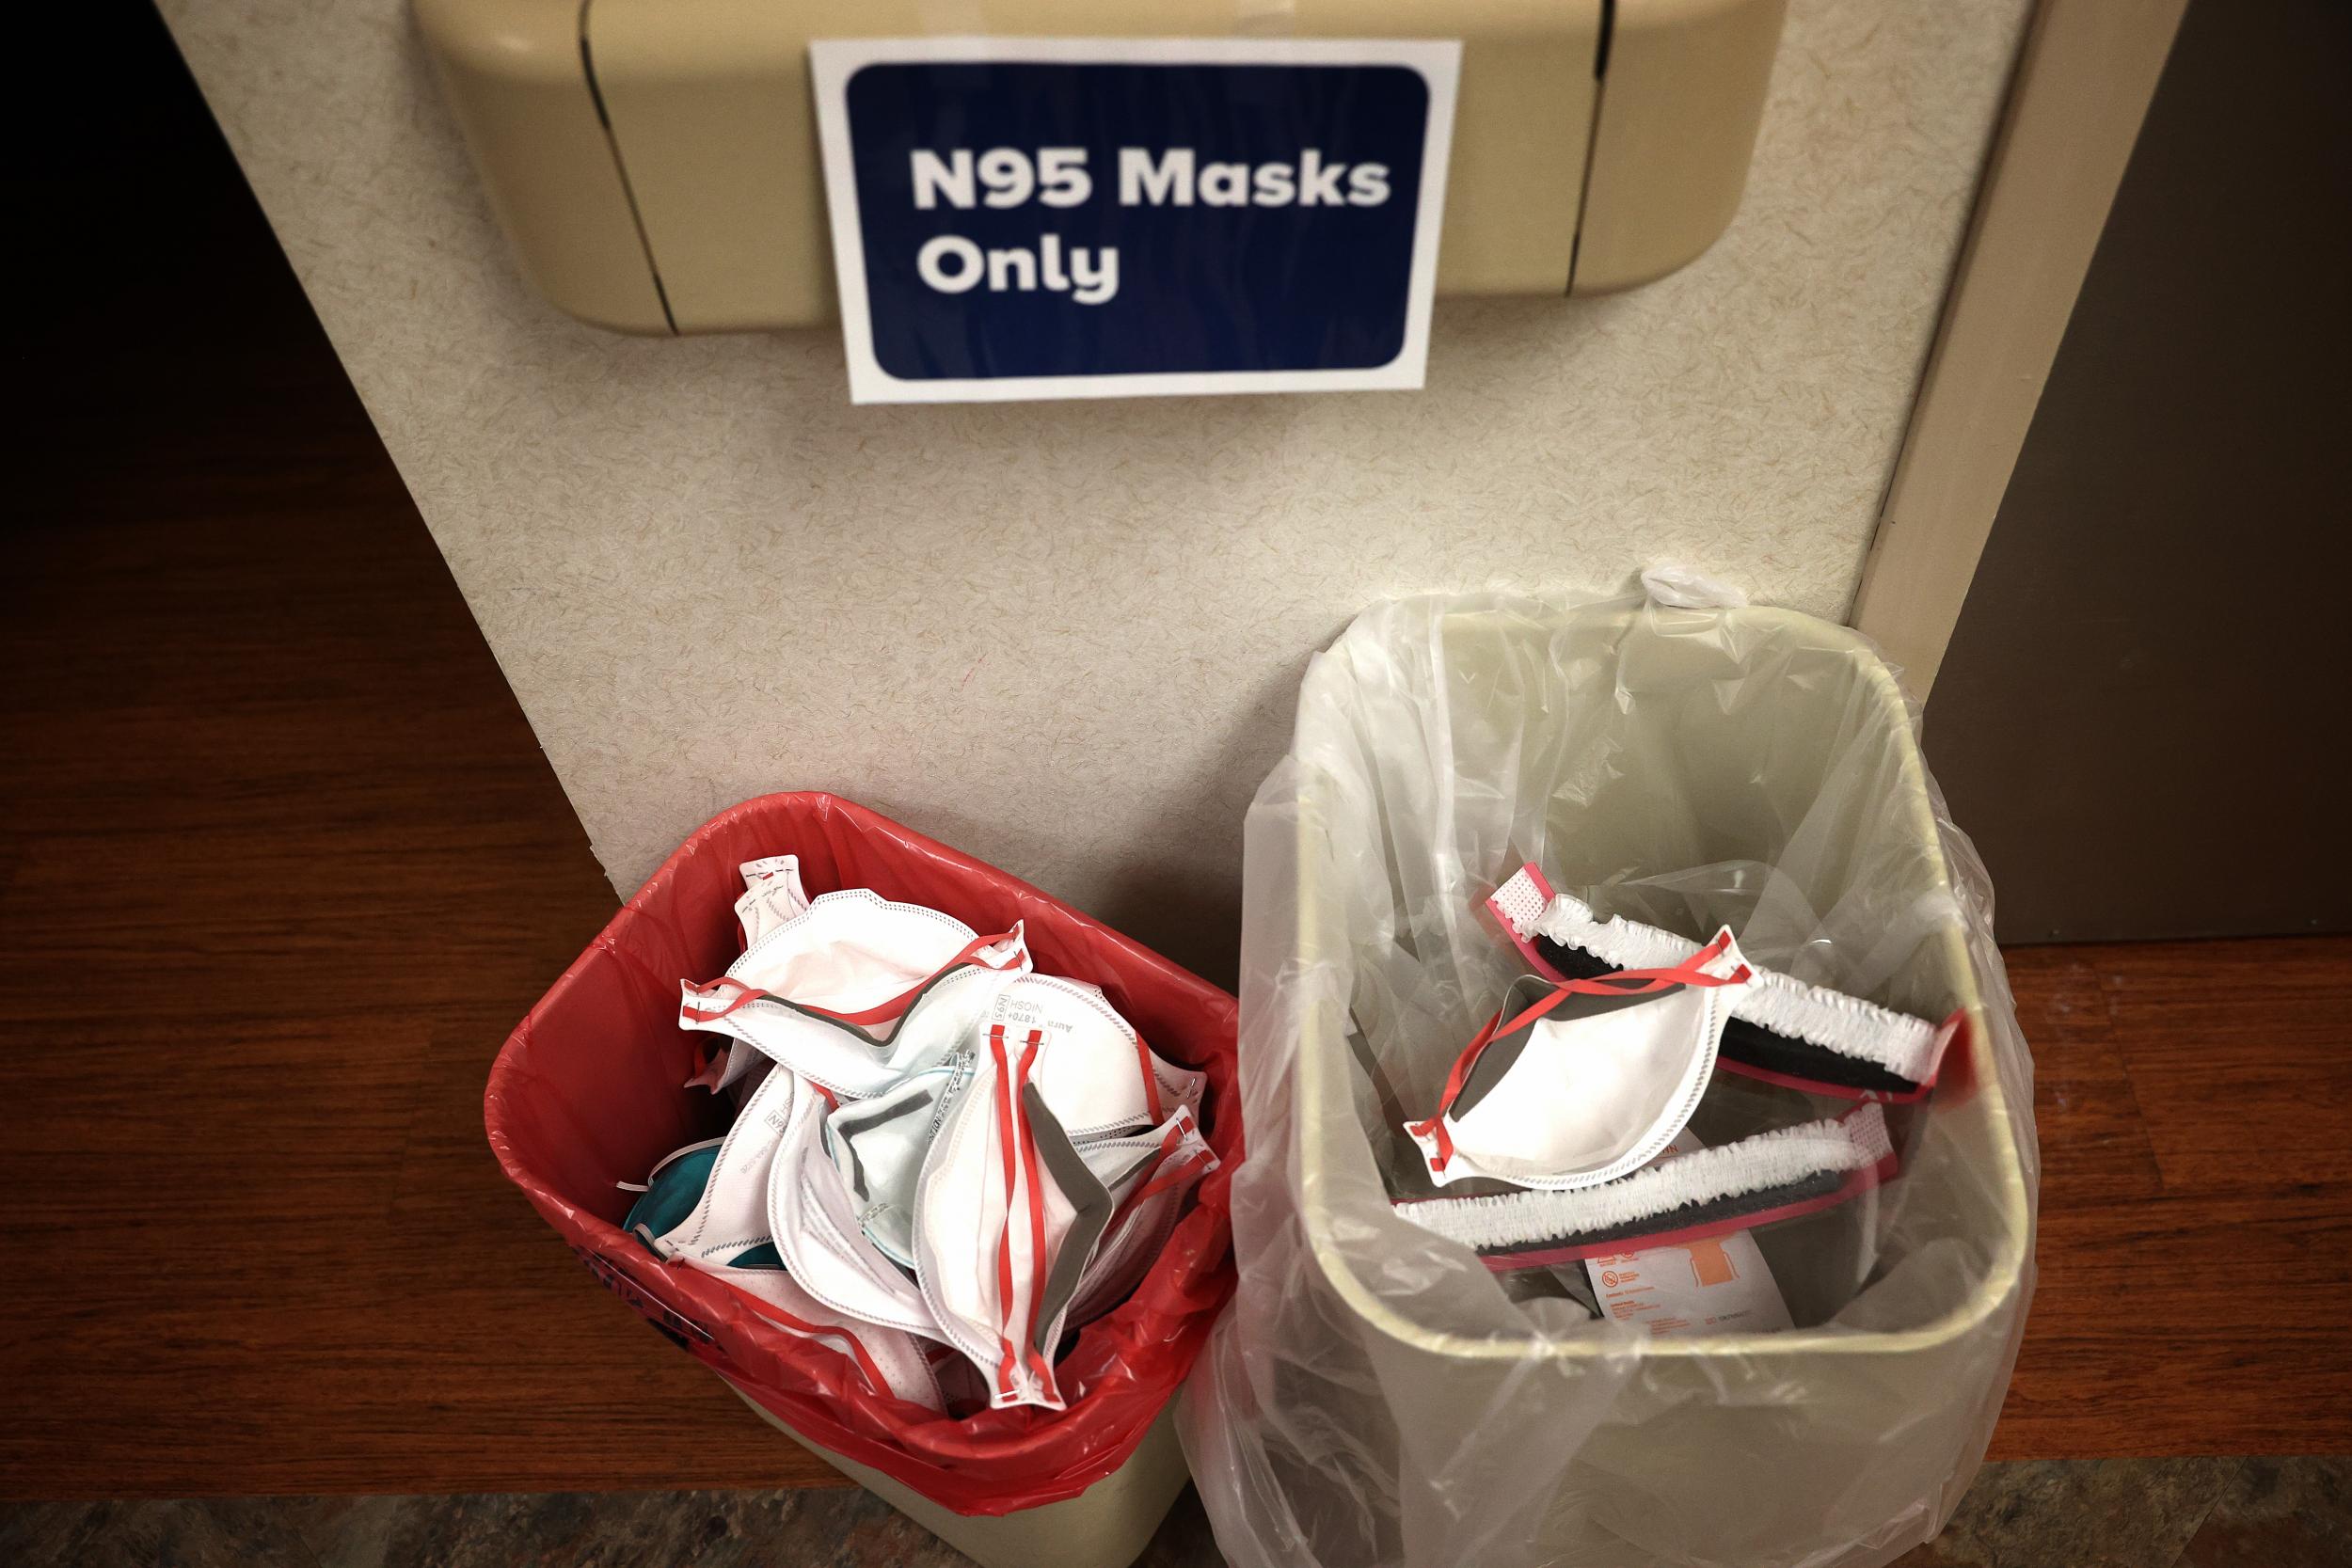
[833,61]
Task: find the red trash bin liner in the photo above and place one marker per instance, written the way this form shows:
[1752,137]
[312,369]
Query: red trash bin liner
[589,1091]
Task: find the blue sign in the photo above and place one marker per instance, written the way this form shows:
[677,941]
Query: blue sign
[1109,218]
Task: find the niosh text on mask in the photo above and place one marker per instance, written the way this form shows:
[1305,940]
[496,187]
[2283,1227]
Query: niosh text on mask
[1058,177]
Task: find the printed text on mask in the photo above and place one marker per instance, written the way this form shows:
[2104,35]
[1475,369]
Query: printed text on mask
[1004,176]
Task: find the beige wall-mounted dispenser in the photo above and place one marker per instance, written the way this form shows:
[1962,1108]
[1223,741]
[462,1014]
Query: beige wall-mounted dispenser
[655,162]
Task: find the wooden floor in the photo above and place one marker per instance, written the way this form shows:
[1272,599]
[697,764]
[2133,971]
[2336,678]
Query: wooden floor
[281,864]
[2195,1109]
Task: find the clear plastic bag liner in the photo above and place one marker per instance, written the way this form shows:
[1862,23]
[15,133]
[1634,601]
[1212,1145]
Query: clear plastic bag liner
[588,1091]
[1375,1395]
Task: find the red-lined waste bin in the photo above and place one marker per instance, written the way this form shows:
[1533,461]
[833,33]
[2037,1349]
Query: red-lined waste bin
[590,1090]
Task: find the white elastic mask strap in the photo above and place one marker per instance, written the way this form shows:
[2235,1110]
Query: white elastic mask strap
[890,1361]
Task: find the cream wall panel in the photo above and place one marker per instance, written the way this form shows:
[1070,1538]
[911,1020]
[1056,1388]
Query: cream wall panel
[1066,637]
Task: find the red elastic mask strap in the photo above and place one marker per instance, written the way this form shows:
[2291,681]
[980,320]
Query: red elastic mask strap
[745,993]
[1037,1211]
[1017,1155]
[1165,1175]
[1169,1176]
[1009,1162]
[1435,1127]
[882,1012]
[1639,982]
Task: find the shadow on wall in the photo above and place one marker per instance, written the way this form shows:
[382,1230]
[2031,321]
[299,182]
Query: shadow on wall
[1177,907]
[1175,892]
[1186,914]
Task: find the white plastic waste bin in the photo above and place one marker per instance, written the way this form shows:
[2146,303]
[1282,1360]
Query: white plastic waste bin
[1374,1397]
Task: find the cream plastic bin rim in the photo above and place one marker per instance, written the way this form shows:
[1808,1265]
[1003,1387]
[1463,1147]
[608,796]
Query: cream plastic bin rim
[1109,1525]
[1989,1102]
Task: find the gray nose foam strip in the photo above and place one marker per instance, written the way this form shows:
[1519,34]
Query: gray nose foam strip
[1087,1195]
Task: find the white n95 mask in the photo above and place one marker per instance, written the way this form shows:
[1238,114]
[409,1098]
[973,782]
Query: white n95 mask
[1148,1176]
[773,895]
[1782,1030]
[816,1225]
[1096,1074]
[705,1206]
[1578,1082]
[1007,1214]
[1013,1203]
[856,992]
[728,1176]
[877,1147]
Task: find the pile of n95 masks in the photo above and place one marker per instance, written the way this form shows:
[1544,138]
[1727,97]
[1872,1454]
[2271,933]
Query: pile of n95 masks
[942,1162]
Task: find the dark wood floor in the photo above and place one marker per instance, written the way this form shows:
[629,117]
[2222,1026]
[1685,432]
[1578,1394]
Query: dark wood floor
[281,864]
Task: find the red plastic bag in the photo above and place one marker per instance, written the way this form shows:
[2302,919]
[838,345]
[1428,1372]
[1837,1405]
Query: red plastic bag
[589,1091]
